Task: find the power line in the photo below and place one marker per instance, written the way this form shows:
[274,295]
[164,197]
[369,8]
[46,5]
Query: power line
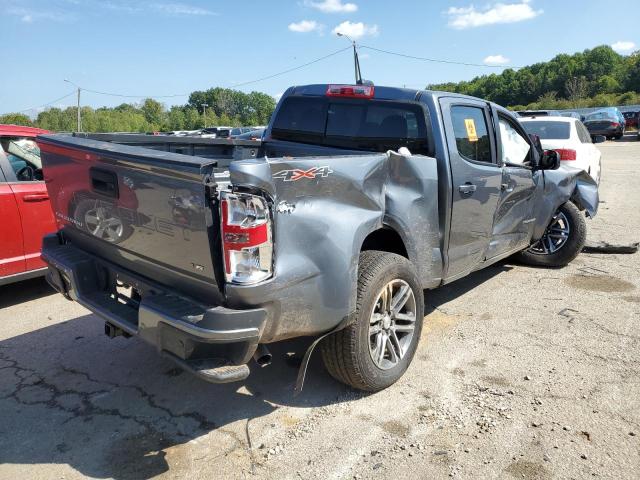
[290,69]
[436,60]
[134,96]
[48,103]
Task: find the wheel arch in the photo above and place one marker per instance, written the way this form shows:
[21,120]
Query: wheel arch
[385,239]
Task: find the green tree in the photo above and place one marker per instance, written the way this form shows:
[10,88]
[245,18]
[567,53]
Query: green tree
[574,78]
[16,119]
[154,113]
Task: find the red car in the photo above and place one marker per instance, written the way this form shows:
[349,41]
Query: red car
[25,211]
[631,119]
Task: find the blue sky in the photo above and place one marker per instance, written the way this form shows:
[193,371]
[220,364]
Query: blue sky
[167,47]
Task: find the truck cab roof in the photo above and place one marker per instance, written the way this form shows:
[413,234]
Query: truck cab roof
[356,118]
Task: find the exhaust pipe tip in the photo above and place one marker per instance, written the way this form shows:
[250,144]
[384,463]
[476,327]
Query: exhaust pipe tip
[262,356]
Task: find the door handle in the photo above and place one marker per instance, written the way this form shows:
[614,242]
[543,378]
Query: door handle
[36,197]
[505,188]
[467,189]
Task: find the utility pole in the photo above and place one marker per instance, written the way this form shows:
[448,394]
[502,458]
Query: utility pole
[356,60]
[79,126]
[204,113]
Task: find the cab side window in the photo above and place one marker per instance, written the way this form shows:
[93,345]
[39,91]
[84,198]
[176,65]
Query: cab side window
[514,147]
[472,135]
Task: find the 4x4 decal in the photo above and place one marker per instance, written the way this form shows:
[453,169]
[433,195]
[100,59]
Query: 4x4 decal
[297,174]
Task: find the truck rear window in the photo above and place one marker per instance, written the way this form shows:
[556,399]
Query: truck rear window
[352,124]
[549,130]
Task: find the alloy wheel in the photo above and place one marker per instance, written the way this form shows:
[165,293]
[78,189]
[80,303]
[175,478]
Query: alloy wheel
[392,324]
[555,236]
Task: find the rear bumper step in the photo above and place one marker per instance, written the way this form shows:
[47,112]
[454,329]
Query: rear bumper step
[213,342]
[213,370]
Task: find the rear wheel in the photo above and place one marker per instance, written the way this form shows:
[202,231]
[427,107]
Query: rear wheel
[562,240]
[374,351]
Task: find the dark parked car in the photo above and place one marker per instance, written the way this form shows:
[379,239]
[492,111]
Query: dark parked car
[604,122]
[359,198]
[252,134]
[237,131]
[217,132]
[631,119]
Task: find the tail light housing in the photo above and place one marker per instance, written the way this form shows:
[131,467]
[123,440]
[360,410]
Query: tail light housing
[566,154]
[350,91]
[246,238]
[615,124]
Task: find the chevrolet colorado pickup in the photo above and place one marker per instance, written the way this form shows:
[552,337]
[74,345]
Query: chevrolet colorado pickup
[358,199]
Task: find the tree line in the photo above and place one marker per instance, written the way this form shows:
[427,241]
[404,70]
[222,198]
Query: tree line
[224,107]
[592,78]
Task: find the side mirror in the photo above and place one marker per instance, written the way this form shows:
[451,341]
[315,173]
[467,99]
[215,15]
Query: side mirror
[550,160]
[599,138]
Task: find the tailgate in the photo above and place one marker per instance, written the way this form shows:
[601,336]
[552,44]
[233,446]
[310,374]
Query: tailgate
[146,211]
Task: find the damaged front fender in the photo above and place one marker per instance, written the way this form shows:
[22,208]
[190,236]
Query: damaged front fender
[560,186]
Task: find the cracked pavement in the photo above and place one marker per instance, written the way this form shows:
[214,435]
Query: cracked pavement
[521,373]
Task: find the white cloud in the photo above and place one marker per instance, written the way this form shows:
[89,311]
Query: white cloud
[305,26]
[496,60]
[356,30]
[622,46]
[181,9]
[470,17]
[332,6]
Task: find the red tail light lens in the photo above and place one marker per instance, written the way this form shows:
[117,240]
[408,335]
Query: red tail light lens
[350,91]
[566,153]
[615,124]
[246,238]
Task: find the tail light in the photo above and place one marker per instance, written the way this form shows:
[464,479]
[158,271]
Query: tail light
[566,153]
[246,238]
[350,91]
[615,124]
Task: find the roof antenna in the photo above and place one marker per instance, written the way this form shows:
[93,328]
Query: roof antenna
[356,60]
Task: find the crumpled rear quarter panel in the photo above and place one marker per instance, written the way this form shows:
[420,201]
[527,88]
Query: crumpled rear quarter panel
[320,224]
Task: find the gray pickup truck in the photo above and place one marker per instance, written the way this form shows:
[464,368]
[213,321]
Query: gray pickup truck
[357,200]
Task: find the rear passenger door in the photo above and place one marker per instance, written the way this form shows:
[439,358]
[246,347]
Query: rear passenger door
[476,178]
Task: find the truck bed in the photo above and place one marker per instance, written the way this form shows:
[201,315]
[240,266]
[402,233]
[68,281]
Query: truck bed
[222,150]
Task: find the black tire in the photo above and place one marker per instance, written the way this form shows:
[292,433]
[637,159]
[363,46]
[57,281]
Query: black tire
[346,353]
[571,247]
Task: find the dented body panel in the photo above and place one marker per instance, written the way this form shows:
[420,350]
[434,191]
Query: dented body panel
[319,237]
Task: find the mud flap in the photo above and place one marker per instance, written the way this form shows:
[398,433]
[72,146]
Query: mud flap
[302,372]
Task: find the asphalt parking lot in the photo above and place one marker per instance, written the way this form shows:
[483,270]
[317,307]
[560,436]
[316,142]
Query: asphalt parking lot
[521,372]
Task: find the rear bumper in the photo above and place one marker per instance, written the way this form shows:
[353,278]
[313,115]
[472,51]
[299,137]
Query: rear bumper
[180,328]
[606,131]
